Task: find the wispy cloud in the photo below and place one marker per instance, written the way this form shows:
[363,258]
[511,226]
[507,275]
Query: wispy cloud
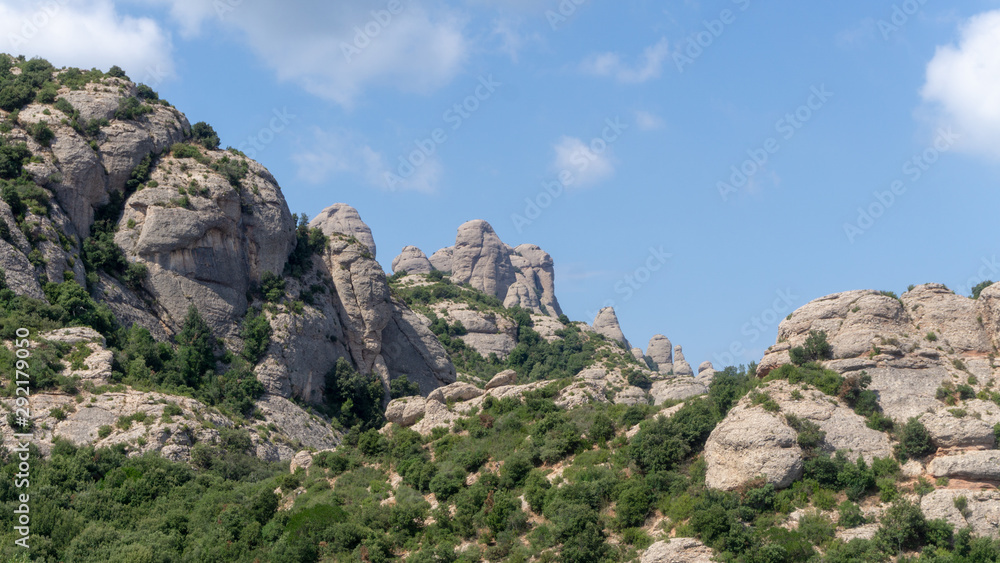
[648,121]
[609,64]
[587,166]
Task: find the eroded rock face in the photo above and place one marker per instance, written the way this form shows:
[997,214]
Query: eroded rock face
[410,348]
[343,219]
[606,324]
[910,346]
[455,392]
[982,510]
[505,377]
[678,550]
[755,442]
[522,276]
[676,389]
[209,252]
[661,351]
[970,466]
[750,443]
[412,260]
[681,366]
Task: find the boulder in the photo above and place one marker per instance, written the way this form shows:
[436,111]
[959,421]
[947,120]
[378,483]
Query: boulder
[751,443]
[676,389]
[606,324]
[505,377]
[970,466]
[406,411]
[442,259]
[412,260]
[950,431]
[455,392]
[631,396]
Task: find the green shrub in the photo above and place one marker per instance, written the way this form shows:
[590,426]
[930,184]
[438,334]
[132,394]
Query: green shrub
[816,528]
[42,134]
[816,348]
[850,515]
[931,337]
[902,527]
[12,159]
[256,334]
[979,287]
[104,431]
[131,109]
[914,441]
[205,136]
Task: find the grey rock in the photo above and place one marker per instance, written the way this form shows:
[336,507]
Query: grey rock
[751,443]
[678,550]
[407,410]
[631,396]
[412,260]
[971,466]
[409,347]
[676,389]
[342,219]
[538,273]
[505,377]
[661,352]
[949,431]
[681,366]
[442,259]
[455,392]
[982,510]
[482,260]
[952,317]
[606,324]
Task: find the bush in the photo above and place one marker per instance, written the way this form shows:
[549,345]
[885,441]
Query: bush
[634,501]
[850,515]
[12,158]
[355,399]
[402,387]
[978,289]
[205,136]
[815,348]
[902,527]
[42,134]
[256,334]
[131,109]
[816,528]
[914,441]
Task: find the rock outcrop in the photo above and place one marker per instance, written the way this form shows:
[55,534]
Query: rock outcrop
[522,276]
[970,466]
[681,367]
[606,324]
[343,219]
[412,260]
[661,352]
[678,550]
[752,441]
[981,509]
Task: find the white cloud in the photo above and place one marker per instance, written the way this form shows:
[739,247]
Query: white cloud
[338,50]
[963,82]
[588,166]
[511,41]
[611,65]
[332,154]
[86,33]
[648,121]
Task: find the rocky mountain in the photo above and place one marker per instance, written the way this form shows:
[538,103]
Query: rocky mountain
[215,378]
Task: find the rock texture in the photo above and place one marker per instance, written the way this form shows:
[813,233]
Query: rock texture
[343,219]
[606,324]
[970,466]
[505,377]
[661,352]
[412,260]
[681,367]
[982,510]
[678,550]
[910,346]
[752,442]
[522,276]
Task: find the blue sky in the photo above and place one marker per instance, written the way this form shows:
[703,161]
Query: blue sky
[637,118]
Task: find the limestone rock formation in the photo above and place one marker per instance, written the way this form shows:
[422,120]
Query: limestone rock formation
[734,444]
[681,367]
[661,352]
[343,219]
[981,513]
[505,377]
[522,276]
[412,260]
[455,392]
[749,443]
[606,324]
[970,466]
[210,252]
[676,389]
[678,550]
